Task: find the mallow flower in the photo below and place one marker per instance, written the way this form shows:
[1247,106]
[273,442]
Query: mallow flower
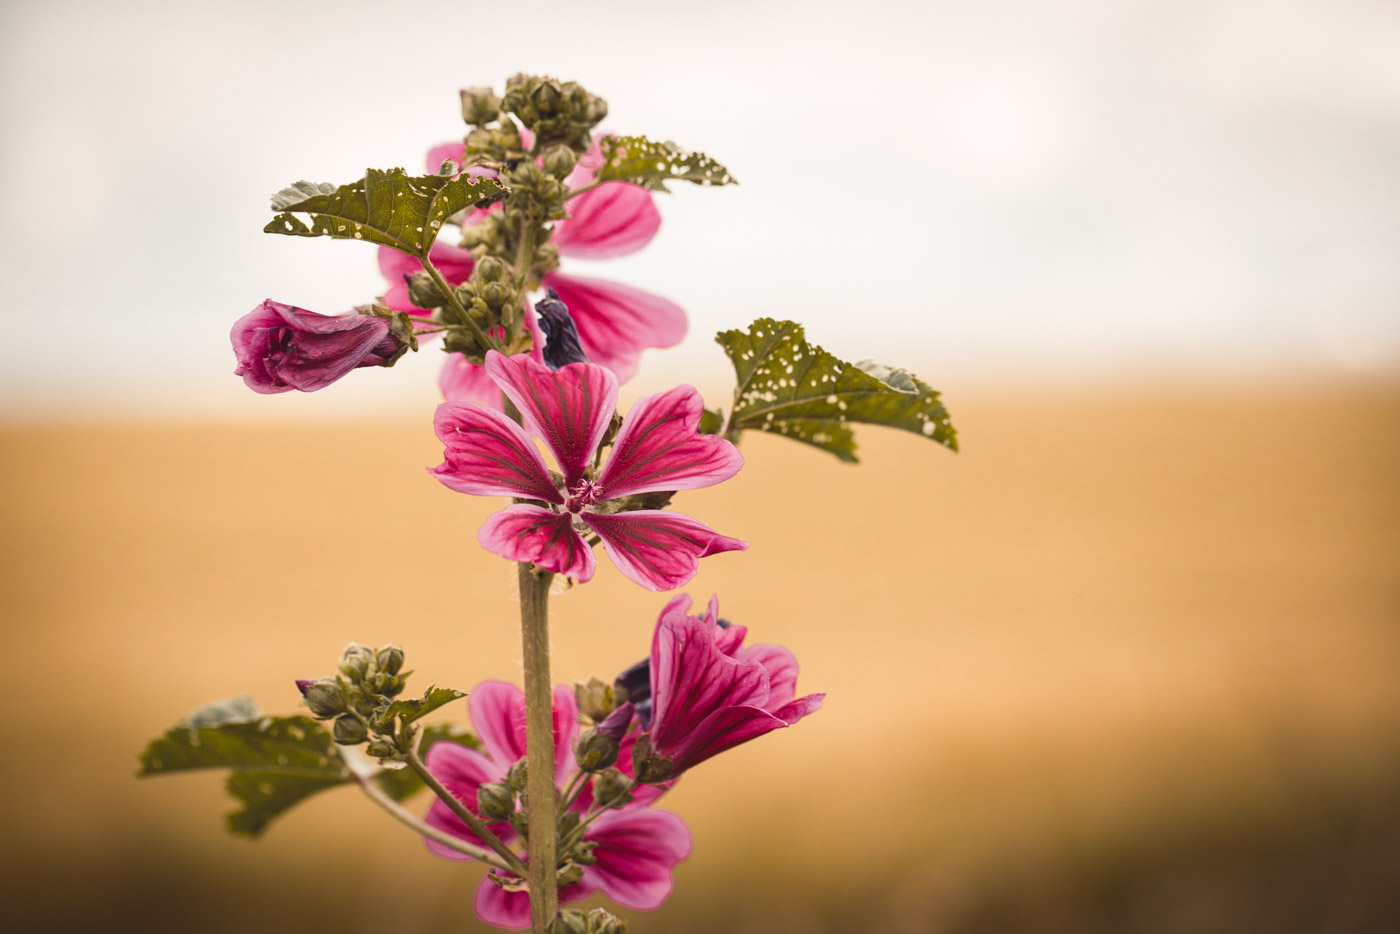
[657,448]
[280,347]
[710,693]
[635,846]
[615,322]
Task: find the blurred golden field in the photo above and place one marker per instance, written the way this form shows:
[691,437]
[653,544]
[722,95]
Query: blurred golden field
[1127,664]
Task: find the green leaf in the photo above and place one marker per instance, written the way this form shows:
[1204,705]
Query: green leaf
[711,421]
[277,762]
[403,783]
[412,708]
[790,387]
[644,162]
[389,207]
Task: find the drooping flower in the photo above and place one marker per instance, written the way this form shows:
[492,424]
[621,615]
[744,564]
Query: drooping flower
[709,693]
[615,322]
[636,846]
[657,448]
[280,347]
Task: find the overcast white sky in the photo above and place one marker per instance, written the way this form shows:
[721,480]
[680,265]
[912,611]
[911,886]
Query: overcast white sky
[977,190]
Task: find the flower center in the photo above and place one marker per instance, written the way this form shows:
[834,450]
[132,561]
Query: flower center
[583,493]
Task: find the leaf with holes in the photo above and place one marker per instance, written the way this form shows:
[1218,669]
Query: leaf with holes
[412,708]
[277,762]
[640,161]
[390,207]
[789,387]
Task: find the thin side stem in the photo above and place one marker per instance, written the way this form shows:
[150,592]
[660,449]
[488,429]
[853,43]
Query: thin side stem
[477,825]
[485,339]
[539,746]
[398,813]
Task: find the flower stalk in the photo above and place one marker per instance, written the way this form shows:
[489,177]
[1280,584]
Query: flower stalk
[539,745]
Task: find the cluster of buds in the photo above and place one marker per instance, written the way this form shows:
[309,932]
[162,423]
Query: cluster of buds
[555,111]
[357,699]
[497,801]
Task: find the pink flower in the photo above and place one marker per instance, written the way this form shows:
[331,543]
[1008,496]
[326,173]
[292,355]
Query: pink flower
[280,347]
[636,846]
[615,322]
[657,448]
[710,694]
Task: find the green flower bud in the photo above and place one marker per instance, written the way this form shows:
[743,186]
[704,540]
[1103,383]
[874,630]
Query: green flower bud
[323,698]
[610,788]
[559,161]
[480,105]
[569,921]
[569,873]
[355,661]
[349,731]
[568,822]
[491,269]
[423,292]
[520,822]
[386,684]
[390,659]
[381,749]
[519,776]
[496,800]
[596,698]
[601,921]
[595,751]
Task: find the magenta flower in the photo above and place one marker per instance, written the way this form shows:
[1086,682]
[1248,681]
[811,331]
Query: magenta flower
[657,448]
[615,322]
[636,846]
[710,694]
[280,347]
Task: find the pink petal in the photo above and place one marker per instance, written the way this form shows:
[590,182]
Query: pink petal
[617,322]
[658,550]
[729,640]
[611,220]
[637,849]
[534,534]
[461,381]
[721,729]
[496,906]
[781,666]
[462,771]
[691,678]
[437,154]
[568,409]
[498,715]
[659,448]
[487,454]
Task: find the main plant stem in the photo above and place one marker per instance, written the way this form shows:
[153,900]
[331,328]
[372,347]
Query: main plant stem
[539,745]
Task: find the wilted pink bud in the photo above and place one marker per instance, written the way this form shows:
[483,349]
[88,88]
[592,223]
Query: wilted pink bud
[280,347]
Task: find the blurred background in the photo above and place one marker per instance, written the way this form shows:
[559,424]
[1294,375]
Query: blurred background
[1126,664]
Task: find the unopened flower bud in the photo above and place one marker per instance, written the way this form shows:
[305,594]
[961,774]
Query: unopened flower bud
[610,788]
[381,749]
[390,659]
[601,921]
[355,661]
[560,161]
[480,105]
[569,873]
[423,292]
[520,823]
[495,800]
[595,699]
[568,823]
[519,776]
[323,698]
[349,731]
[491,269]
[569,921]
[615,725]
[595,751]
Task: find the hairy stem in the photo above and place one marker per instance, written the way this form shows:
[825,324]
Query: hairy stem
[398,813]
[478,826]
[539,745]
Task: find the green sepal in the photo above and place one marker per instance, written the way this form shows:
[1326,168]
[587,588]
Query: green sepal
[789,387]
[277,762]
[411,708]
[651,164]
[388,207]
[404,783]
